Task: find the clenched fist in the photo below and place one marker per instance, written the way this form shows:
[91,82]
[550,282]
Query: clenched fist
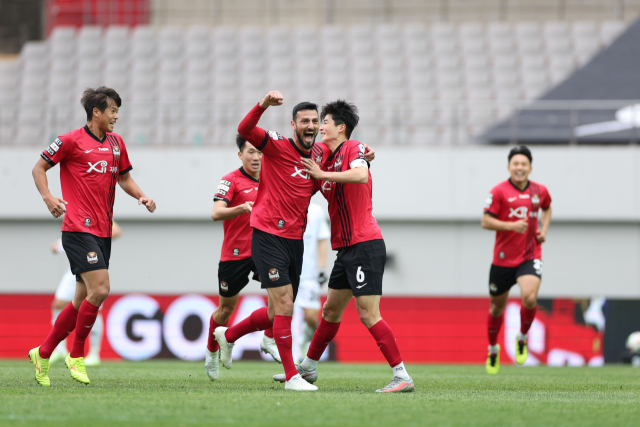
[272,98]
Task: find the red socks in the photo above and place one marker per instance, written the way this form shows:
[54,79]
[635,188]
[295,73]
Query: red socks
[257,321]
[86,318]
[212,344]
[325,333]
[282,334]
[64,324]
[493,326]
[386,341]
[268,333]
[527,315]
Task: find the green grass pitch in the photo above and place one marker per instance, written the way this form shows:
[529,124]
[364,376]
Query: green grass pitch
[172,393]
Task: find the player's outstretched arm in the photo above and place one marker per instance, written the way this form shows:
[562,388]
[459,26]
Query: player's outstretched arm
[491,223]
[248,127]
[221,212]
[131,188]
[545,221]
[54,204]
[358,175]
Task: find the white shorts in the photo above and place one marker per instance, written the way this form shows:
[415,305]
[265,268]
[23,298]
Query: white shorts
[67,287]
[309,294]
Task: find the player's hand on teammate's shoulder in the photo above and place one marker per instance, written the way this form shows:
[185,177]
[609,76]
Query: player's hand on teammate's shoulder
[56,206]
[247,207]
[311,168]
[272,98]
[369,153]
[541,236]
[149,203]
[520,226]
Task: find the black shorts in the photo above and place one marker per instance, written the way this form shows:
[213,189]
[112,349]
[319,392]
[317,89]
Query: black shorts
[278,260]
[360,267]
[233,276]
[86,252]
[501,279]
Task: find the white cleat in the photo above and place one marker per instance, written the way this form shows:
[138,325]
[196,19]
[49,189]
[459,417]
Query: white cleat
[309,376]
[225,347]
[212,364]
[297,383]
[268,346]
[398,385]
[92,360]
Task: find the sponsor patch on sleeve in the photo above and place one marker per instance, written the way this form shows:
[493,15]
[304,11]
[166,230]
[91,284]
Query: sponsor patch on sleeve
[489,201]
[275,135]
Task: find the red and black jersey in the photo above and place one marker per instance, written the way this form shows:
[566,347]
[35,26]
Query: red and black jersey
[237,188]
[89,170]
[350,205]
[507,202]
[285,189]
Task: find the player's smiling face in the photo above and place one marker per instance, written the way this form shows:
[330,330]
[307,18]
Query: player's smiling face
[251,159]
[329,131]
[306,127]
[107,118]
[519,168]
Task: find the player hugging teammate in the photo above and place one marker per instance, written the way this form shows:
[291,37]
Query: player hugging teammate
[512,210]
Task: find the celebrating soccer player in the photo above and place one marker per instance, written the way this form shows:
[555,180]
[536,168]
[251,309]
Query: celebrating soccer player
[92,159]
[278,218]
[233,202]
[512,210]
[345,181]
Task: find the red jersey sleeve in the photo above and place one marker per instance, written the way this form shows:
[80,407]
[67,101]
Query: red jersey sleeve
[124,164]
[355,155]
[266,141]
[545,197]
[494,202]
[58,150]
[226,190]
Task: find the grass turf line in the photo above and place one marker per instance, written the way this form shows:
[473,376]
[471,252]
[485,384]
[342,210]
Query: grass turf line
[174,393]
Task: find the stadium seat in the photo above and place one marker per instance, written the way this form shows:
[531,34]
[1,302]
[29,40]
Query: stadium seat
[610,30]
[143,43]
[62,43]
[197,42]
[116,42]
[170,43]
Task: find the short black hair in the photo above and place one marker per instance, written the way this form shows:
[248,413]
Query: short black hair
[342,113]
[303,106]
[240,142]
[98,98]
[521,149]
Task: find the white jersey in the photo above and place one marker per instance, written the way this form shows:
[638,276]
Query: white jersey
[317,229]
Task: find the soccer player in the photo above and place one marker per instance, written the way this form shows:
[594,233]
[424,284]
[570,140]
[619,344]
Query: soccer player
[345,181]
[512,210]
[64,295]
[232,205]
[278,219]
[92,160]
[313,275]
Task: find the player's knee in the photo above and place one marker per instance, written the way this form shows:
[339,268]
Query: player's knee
[496,310]
[226,310]
[529,300]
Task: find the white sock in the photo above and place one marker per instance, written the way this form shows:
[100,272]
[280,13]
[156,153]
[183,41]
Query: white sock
[309,364]
[399,371]
[493,349]
[96,336]
[521,336]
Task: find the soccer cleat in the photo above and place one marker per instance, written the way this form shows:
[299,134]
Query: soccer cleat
[212,364]
[225,347]
[76,369]
[297,383]
[398,385]
[57,357]
[268,346]
[92,360]
[493,362]
[309,376]
[42,367]
[521,351]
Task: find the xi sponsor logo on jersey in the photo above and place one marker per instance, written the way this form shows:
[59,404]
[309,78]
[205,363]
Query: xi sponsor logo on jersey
[274,275]
[100,167]
[326,186]
[92,257]
[301,173]
[520,213]
[224,286]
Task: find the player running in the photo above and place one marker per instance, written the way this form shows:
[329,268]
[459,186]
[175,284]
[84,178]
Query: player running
[232,205]
[313,275]
[345,181]
[512,210]
[92,159]
[64,295]
[278,219]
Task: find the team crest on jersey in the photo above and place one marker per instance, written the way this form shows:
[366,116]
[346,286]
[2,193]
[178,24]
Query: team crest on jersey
[236,252]
[116,150]
[92,257]
[275,135]
[318,160]
[274,275]
[224,286]
[535,199]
